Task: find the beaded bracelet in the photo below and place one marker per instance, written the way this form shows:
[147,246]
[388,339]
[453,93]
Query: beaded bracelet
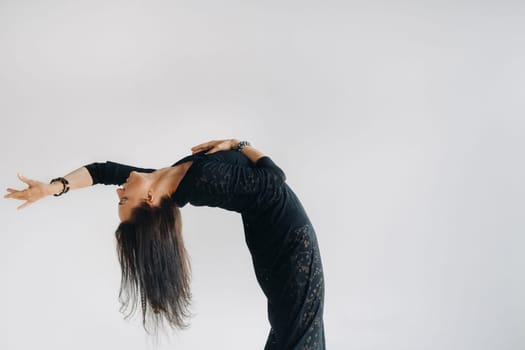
[241,145]
[65,183]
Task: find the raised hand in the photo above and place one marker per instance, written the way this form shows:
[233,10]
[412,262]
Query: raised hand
[215,146]
[35,190]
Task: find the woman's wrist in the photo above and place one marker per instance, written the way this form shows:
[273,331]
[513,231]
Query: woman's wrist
[53,188]
[65,185]
[247,150]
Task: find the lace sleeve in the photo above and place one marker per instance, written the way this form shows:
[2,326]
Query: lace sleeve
[219,177]
[111,173]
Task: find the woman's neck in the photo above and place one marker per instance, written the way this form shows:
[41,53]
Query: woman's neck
[167,180]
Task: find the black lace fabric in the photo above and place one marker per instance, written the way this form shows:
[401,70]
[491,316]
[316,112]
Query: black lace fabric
[296,310]
[281,240]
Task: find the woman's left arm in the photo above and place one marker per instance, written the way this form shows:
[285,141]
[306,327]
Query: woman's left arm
[223,177]
[249,151]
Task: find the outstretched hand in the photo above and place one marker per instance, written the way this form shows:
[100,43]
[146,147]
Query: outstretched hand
[215,146]
[35,190]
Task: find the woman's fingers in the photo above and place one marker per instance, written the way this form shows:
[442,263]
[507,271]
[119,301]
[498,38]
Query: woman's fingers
[212,146]
[213,150]
[24,179]
[223,145]
[17,194]
[29,195]
[207,144]
[24,205]
[203,146]
[11,191]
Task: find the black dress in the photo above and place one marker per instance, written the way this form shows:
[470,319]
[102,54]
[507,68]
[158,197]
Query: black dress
[278,233]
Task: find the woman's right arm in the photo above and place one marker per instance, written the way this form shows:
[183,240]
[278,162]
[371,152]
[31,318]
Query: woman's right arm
[37,190]
[108,173]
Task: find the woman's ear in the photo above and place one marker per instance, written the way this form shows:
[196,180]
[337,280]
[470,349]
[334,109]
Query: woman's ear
[150,197]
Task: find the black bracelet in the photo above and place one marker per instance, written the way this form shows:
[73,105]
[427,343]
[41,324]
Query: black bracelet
[241,145]
[65,183]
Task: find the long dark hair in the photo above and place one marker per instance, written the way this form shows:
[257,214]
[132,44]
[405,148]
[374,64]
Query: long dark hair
[155,265]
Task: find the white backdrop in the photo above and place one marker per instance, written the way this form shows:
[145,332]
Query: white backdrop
[399,125]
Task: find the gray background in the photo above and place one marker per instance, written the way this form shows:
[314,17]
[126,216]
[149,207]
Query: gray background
[399,125]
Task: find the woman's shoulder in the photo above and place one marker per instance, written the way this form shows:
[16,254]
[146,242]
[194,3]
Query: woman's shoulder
[232,157]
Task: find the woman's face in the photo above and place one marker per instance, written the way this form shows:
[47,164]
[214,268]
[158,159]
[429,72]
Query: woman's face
[132,193]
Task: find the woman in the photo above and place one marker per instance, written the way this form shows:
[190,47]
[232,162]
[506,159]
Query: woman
[228,174]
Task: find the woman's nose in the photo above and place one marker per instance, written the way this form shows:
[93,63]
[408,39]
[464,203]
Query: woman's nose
[119,192]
